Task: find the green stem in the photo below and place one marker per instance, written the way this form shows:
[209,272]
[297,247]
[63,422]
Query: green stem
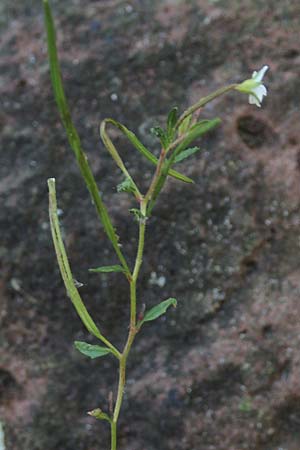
[132,327]
[113,436]
[203,101]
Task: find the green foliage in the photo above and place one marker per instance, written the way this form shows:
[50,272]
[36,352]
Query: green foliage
[126,186]
[158,310]
[161,135]
[107,269]
[171,122]
[138,215]
[196,131]
[92,351]
[99,414]
[144,151]
[73,136]
[184,126]
[185,154]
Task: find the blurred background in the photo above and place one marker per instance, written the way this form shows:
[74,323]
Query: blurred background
[222,372]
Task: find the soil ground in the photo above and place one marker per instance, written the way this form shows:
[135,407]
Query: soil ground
[222,372]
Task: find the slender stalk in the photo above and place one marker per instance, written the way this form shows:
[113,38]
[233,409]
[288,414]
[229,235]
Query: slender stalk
[156,176]
[203,101]
[132,327]
[113,436]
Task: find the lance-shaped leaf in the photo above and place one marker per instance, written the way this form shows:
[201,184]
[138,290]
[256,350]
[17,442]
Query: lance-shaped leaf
[185,154]
[171,122]
[144,151]
[66,272]
[73,136]
[107,269]
[184,126]
[158,310]
[92,351]
[196,131]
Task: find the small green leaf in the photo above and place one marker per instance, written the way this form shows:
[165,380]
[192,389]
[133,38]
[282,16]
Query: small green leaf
[185,154]
[196,131]
[92,351]
[158,310]
[184,125]
[160,133]
[171,122]
[137,214]
[107,269]
[126,186]
[99,414]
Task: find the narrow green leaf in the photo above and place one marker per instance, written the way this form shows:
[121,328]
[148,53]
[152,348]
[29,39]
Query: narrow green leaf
[107,269]
[197,130]
[144,151]
[184,126]
[73,136]
[159,310]
[92,351]
[186,153]
[162,136]
[171,122]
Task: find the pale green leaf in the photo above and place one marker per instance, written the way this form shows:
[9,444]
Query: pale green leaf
[186,153]
[92,351]
[158,310]
[107,269]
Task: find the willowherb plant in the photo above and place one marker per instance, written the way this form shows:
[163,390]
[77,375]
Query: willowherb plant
[175,140]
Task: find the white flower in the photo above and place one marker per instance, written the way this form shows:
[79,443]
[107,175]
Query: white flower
[254,87]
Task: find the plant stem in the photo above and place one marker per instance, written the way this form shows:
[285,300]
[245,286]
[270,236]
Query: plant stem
[113,436]
[203,101]
[132,327]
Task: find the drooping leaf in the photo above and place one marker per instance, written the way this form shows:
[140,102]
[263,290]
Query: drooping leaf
[73,136]
[171,122]
[158,310]
[107,269]
[186,153]
[92,351]
[66,272]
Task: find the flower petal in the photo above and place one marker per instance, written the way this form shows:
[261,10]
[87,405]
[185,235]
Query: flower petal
[260,91]
[253,100]
[260,74]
